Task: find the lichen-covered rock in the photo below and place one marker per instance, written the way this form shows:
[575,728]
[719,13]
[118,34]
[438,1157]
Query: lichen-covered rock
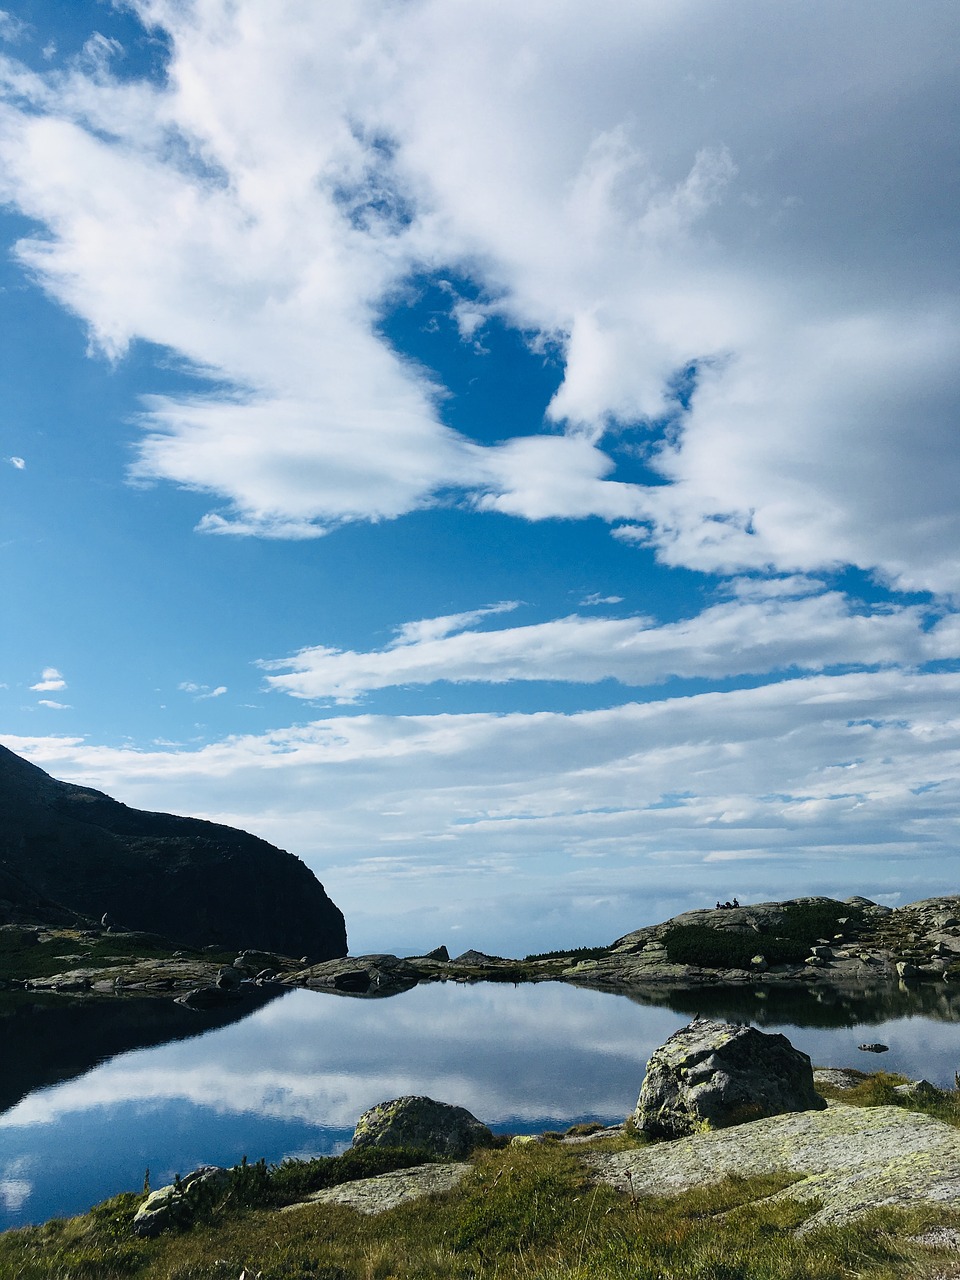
[710,1075]
[388,1190]
[417,1122]
[850,1160]
[176,1204]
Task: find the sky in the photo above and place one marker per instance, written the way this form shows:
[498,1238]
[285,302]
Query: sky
[506,455]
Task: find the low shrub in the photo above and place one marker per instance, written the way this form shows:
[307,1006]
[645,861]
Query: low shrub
[575,953]
[726,949]
[807,921]
[800,926]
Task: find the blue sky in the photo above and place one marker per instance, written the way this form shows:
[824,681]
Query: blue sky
[506,457]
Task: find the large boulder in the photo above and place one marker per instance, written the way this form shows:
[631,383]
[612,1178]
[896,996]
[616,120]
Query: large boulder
[437,1127]
[710,1075]
[69,852]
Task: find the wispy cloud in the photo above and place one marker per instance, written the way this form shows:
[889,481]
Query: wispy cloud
[50,681]
[595,598]
[54,706]
[731,639]
[12,29]
[202,691]
[19,463]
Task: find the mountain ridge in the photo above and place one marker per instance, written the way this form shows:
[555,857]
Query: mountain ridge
[69,852]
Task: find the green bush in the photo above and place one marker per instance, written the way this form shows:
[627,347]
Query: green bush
[807,921]
[574,953]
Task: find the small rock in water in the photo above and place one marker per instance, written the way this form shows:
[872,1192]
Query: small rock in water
[873,1048]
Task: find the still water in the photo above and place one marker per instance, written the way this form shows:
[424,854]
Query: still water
[291,1078]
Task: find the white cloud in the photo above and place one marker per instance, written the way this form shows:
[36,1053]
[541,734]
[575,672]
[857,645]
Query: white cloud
[54,706]
[19,463]
[843,784]
[202,691]
[642,188]
[767,588]
[11,29]
[50,681]
[595,598]
[748,636]
[426,629]
[98,52]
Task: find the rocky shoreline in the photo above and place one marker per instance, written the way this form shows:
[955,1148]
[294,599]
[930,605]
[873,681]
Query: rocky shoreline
[860,946]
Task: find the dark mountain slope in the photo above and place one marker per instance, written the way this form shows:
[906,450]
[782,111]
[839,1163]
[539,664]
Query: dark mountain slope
[66,849]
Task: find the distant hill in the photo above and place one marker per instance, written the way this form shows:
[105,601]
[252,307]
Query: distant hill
[67,851]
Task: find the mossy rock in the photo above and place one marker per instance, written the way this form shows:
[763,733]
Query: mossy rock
[443,1130]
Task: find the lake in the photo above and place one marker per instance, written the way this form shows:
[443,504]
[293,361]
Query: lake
[291,1078]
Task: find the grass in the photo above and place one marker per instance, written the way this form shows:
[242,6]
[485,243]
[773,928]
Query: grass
[880,1090]
[23,956]
[524,1213]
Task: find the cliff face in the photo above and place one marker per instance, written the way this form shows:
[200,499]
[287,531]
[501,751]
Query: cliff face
[66,849]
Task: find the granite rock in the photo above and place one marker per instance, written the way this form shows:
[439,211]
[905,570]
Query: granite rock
[422,1124]
[711,1075]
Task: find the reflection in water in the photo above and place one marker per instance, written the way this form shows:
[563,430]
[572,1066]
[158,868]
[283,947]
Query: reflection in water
[48,1039]
[293,1078]
[766,1006]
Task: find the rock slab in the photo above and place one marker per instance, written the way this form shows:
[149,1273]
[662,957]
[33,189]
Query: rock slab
[421,1123]
[850,1159]
[711,1075]
[387,1190]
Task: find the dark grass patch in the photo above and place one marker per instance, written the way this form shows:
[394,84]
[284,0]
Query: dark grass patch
[23,956]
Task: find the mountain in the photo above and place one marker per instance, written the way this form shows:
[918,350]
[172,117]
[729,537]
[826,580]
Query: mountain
[67,851]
